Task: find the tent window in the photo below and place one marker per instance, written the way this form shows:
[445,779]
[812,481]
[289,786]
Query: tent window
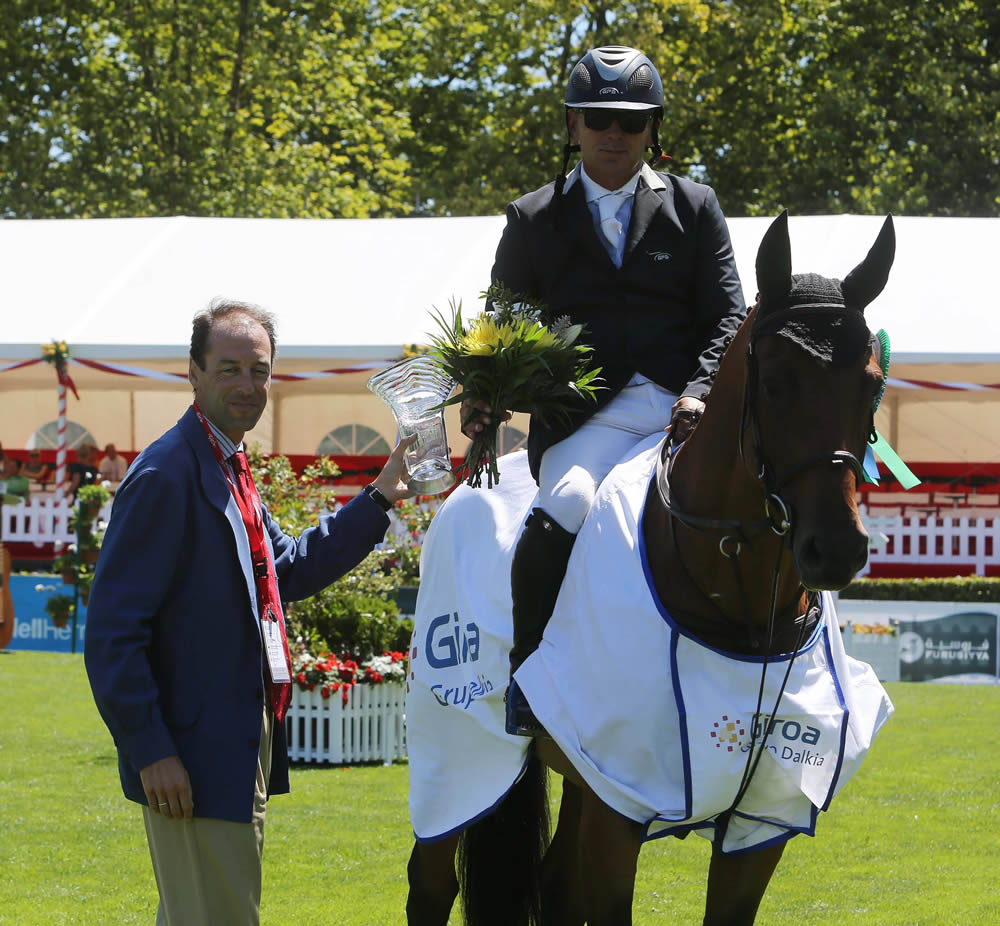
[512,439]
[47,436]
[353,439]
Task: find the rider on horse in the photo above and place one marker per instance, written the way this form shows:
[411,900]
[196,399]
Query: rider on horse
[644,261]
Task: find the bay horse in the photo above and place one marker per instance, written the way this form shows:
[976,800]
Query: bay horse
[704,564]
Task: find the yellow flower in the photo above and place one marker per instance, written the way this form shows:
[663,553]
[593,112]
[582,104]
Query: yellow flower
[485,338]
[545,340]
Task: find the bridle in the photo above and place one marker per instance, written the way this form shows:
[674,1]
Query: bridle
[777,516]
[735,533]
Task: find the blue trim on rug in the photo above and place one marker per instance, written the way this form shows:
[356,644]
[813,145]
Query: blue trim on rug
[478,816]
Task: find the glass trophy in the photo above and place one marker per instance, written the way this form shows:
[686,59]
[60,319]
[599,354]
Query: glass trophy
[413,389]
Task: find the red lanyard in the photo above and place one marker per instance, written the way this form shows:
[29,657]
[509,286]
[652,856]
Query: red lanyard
[252,521]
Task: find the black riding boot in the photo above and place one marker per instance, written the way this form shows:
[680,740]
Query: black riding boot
[536,574]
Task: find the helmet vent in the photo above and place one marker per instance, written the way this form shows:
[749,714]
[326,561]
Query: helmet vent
[581,77]
[641,79]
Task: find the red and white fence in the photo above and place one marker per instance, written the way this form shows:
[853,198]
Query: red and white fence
[940,544]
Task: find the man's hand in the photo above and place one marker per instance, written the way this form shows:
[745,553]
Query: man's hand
[168,788]
[394,480]
[477,416]
[683,417]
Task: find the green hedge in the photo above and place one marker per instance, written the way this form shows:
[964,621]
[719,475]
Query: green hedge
[964,588]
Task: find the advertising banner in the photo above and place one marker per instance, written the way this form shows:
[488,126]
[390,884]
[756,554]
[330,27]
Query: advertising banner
[960,644]
[939,641]
[33,628]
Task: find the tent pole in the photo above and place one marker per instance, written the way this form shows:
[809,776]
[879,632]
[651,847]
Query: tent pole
[131,419]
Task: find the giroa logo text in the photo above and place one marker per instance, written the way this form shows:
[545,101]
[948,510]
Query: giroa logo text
[449,644]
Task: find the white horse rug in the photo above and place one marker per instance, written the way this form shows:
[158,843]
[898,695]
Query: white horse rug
[657,723]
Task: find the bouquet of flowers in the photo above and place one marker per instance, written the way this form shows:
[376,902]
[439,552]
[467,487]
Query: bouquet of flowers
[513,360]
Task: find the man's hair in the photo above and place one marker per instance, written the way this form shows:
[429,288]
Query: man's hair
[218,309]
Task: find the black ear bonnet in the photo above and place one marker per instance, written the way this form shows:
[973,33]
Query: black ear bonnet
[823,316]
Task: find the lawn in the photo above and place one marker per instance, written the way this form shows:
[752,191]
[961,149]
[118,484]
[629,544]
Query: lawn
[912,840]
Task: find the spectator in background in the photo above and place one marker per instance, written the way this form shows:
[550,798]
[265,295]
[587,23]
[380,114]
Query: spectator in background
[13,482]
[114,466]
[84,471]
[36,469]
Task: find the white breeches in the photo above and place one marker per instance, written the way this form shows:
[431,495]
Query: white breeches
[572,470]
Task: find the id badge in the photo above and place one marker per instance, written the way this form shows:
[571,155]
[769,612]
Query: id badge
[276,662]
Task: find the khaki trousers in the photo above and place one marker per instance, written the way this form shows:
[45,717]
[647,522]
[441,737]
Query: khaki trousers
[208,871]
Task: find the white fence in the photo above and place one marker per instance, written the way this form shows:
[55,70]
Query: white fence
[941,539]
[370,727]
[41,521]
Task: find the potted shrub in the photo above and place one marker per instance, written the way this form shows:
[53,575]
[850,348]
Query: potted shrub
[91,499]
[65,565]
[83,582]
[58,608]
[89,549]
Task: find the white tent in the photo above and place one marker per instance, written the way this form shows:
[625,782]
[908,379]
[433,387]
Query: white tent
[349,292]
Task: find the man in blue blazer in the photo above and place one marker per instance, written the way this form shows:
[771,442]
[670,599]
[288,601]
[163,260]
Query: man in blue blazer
[175,642]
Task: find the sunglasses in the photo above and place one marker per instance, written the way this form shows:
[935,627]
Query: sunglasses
[630,121]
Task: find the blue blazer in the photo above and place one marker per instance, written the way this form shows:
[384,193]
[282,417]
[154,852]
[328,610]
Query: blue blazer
[172,647]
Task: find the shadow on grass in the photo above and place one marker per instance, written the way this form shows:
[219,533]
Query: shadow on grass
[301,766]
[104,760]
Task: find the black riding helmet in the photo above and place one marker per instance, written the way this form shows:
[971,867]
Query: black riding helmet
[614,77]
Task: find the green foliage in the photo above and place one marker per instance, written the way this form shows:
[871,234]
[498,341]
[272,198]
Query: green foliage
[967,588]
[356,614]
[93,495]
[250,108]
[415,518]
[58,606]
[340,108]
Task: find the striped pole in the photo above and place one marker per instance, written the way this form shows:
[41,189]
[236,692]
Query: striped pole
[61,444]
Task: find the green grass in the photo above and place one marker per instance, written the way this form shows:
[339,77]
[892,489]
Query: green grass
[912,840]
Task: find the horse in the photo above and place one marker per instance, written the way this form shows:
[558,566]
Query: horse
[710,563]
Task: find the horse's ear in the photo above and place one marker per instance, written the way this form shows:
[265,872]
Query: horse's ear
[774,264]
[868,279]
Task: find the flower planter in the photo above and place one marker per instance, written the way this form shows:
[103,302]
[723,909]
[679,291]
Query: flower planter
[368,728]
[84,596]
[61,621]
[69,577]
[89,556]
[90,510]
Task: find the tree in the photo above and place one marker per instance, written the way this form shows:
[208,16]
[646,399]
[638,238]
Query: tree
[349,108]
[207,108]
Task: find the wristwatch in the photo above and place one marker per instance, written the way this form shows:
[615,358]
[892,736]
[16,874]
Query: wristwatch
[376,496]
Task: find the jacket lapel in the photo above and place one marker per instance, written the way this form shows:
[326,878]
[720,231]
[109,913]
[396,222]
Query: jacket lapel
[216,489]
[646,204]
[580,224]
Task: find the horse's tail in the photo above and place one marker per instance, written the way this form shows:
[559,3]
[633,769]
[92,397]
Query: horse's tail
[500,856]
